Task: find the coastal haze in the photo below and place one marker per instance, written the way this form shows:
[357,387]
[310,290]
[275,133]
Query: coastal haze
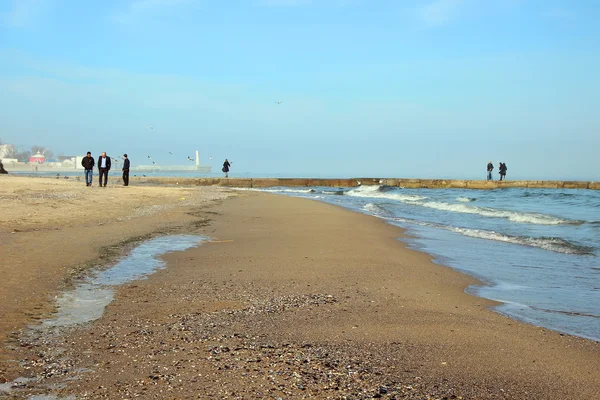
[425,89]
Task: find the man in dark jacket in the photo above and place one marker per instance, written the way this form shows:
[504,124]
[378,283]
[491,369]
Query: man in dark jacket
[87,163]
[103,167]
[126,165]
[490,168]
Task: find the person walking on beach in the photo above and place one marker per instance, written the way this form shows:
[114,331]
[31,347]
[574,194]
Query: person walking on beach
[490,168]
[88,163]
[126,164]
[226,167]
[103,167]
[502,169]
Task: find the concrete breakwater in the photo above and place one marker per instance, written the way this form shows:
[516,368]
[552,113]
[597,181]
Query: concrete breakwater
[353,182]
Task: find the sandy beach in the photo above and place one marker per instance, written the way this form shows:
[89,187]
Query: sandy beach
[289,298]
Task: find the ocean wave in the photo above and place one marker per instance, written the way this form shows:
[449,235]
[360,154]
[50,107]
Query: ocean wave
[375,209]
[303,191]
[382,192]
[514,216]
[465,199]
[555,244]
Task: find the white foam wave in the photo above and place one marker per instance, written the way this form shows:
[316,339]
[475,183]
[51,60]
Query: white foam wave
[514,216]
[381,192]
[375,209]
[465,199]
[290,190]
[547,243]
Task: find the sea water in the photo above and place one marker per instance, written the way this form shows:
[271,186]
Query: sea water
[535,250]
[87,300]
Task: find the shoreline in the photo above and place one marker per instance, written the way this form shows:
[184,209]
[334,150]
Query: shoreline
[266,278]
[406,183]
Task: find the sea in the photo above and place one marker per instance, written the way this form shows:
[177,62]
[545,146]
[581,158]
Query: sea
[536,251]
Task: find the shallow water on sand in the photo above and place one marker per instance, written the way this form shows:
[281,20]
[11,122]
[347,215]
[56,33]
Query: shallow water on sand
[86,302]
[536,250]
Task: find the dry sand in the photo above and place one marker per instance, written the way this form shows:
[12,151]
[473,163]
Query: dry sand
[291,299]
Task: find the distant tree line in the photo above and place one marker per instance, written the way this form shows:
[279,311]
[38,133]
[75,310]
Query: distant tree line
[24,155]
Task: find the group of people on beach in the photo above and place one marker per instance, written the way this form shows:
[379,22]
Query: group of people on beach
[501,170]
[104,166]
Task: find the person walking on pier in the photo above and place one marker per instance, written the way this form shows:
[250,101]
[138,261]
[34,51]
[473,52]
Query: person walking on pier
[126,164]
[88,163]
[226,167]
[502,170]
[103,167]
[490,168]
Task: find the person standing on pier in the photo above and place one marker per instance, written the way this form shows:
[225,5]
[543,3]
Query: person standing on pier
[226,167]
[490,168]
[502,170]
[126,164]
[87,163]
[103,167]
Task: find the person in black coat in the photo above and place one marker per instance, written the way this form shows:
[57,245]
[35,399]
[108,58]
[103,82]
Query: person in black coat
[2,170]
[88,163]
[126,165]
[502,169]
[103,167]
[490,168]
[226,167]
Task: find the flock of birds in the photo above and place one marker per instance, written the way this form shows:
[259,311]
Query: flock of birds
[150,127]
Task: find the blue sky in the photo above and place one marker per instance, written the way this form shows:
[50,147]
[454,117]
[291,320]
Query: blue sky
[417,88]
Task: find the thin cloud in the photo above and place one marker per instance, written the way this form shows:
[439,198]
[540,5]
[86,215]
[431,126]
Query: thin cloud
[283,3]
[439,12]
[559,13]
[297,3]
[26,13]
[145,8]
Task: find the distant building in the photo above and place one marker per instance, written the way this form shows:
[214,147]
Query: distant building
[37,158]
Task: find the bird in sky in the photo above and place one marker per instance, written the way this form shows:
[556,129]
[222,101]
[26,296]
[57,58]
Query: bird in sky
[149,158]
[151,127]
[153,162]
[190,158]
[170,153]
[210,158]
[278,102]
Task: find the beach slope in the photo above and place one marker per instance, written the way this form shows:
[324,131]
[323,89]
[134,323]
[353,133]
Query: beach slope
[293,298]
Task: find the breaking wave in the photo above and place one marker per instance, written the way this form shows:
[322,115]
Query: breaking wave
[514,216]
[382,192]
[557,245]
[303,191]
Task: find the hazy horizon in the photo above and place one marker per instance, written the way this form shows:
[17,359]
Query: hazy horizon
[431,89]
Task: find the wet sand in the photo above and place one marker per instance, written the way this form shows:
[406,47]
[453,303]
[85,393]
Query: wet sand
[295,299]
[53,230]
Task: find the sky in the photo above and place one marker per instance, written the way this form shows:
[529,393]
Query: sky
[415,88]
